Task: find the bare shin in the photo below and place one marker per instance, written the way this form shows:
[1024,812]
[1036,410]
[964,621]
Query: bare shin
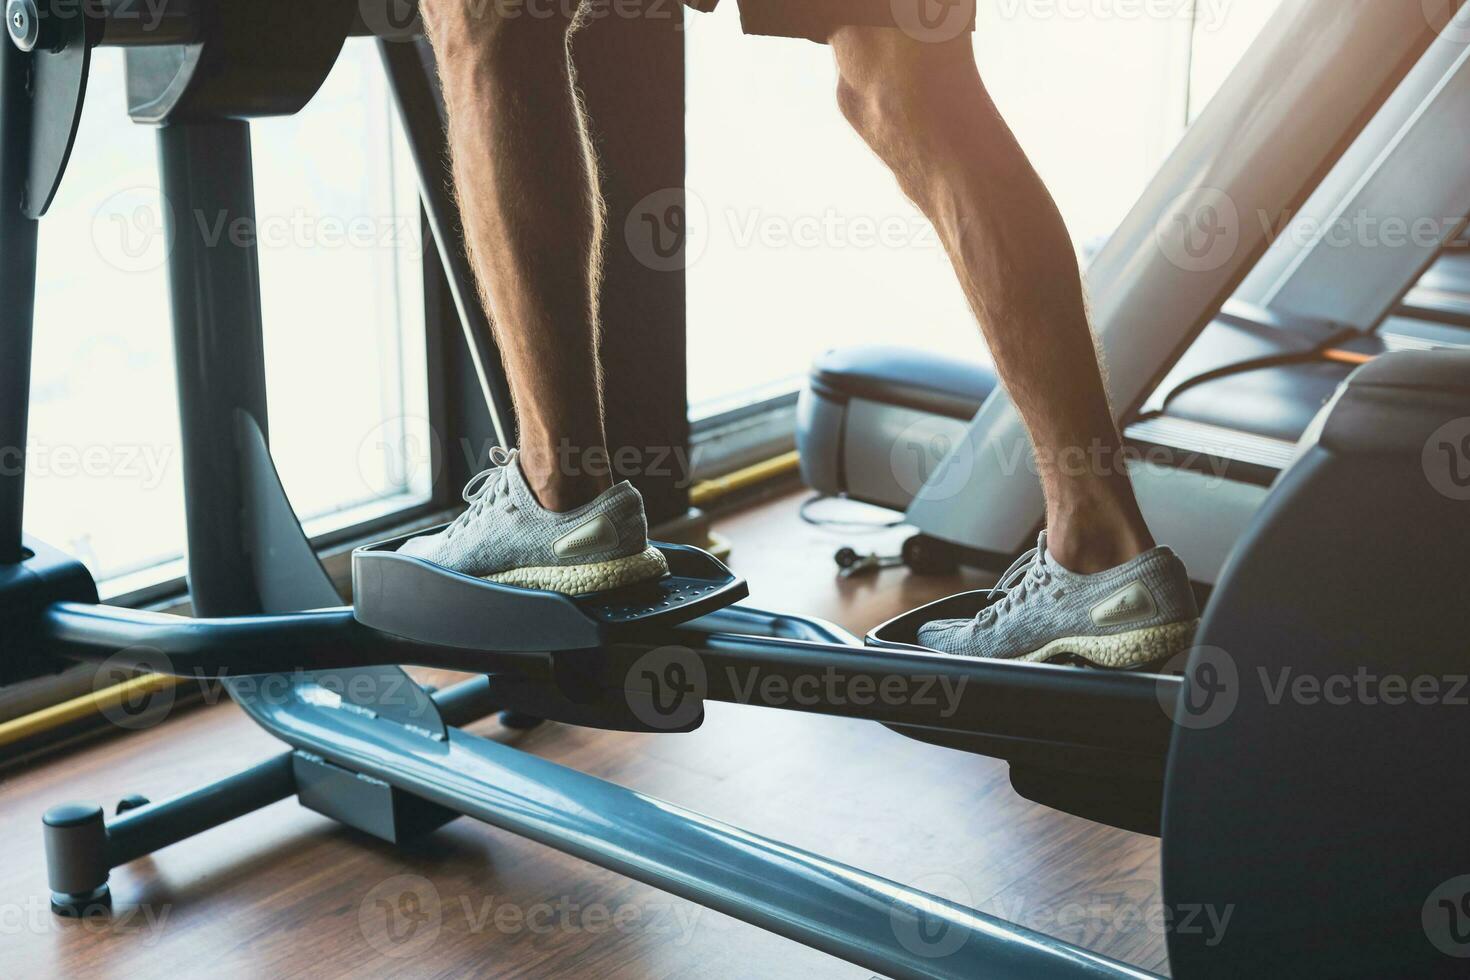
[532,213]
[923,109]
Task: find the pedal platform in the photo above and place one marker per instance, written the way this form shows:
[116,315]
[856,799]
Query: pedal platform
[902,632]
[427,603]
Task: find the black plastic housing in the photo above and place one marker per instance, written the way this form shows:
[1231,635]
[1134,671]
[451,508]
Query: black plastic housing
[44,576]
[1091,780]
[417,599]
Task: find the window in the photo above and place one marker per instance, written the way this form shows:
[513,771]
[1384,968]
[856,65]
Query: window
[341,265]
[103,476]
[800,240]
[340,255]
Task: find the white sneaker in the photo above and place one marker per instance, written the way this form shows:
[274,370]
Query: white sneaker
[506,536]
[1141,612]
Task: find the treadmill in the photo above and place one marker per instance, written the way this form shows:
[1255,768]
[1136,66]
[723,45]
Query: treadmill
[1443,294]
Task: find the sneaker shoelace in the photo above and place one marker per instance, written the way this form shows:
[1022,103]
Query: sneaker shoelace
[1028,571]
[488,486]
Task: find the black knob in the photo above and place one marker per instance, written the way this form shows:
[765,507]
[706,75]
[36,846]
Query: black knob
[31,30]
[131,802]
[23,21]
[69,815]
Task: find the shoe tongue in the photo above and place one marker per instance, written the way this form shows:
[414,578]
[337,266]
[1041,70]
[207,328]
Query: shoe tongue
[1043,557]
[515,481]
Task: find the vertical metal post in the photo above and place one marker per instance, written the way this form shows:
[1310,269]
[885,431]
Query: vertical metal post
[636,119]
[214,284]
[18,289]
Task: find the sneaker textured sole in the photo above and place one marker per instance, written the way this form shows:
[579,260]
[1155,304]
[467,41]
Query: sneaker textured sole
[600,576]
[1133,649]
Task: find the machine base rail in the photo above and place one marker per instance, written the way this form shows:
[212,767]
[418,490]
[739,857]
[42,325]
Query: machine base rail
[82,848]
[867,920]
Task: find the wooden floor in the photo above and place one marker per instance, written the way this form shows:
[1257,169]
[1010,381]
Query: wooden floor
[286,893]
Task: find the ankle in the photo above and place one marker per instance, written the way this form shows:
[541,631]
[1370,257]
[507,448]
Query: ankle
[1094,539]
[560,492]
[1090,553]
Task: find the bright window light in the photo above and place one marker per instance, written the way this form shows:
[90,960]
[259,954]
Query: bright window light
[799,239]
[341,276]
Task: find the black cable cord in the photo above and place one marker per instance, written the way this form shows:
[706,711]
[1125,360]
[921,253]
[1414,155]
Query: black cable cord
[805,513]
[1256,364]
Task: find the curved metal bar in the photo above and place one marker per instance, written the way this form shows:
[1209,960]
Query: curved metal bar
[323,639]
[1105,709]
[876,923]
[1102,709]
[759,622]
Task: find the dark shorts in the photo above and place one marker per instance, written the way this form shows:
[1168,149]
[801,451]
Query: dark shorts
[925,20]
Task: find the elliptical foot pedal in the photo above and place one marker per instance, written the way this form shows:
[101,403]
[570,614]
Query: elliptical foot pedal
[902,632]
[425,602]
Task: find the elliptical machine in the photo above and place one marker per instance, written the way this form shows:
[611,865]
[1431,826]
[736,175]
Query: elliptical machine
[1207,755]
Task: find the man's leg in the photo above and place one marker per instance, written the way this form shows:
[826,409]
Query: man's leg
[923,109]
[532,214]
[1099,589]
